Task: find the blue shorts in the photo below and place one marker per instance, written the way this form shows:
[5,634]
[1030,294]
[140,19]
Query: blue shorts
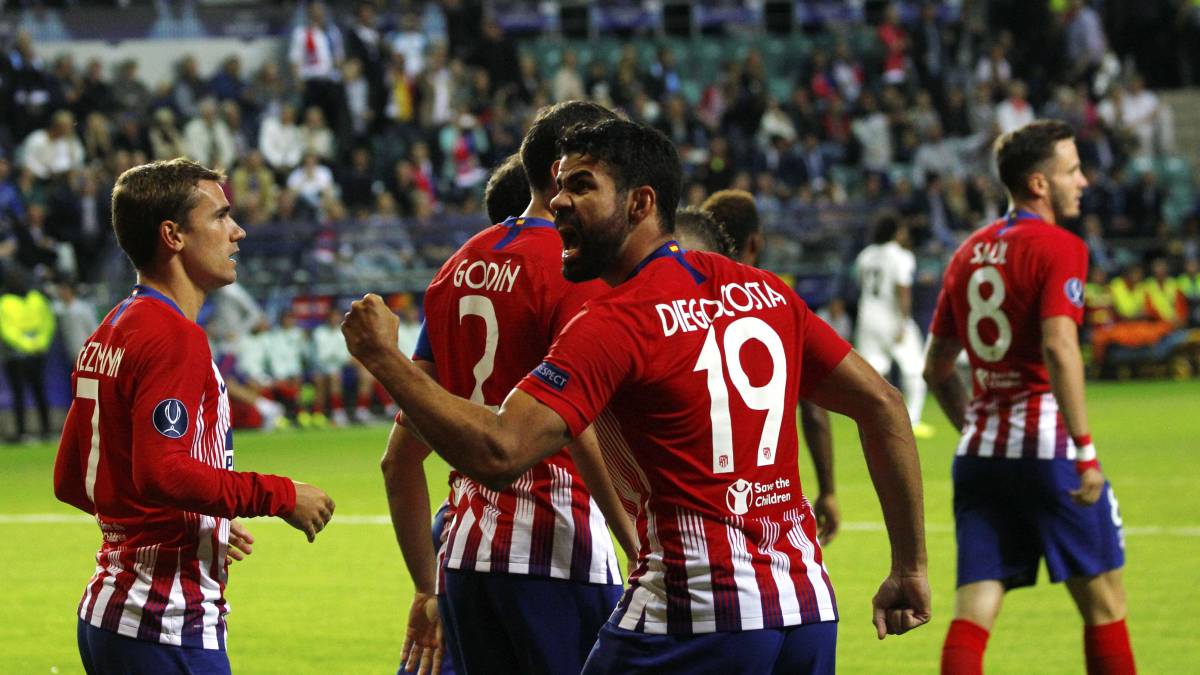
[513,623]
[809,648]
[107,653]
[1009,513]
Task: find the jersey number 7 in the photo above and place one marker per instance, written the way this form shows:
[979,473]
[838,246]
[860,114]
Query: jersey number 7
[770,397]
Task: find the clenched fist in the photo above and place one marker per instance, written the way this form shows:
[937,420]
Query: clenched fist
[370,328]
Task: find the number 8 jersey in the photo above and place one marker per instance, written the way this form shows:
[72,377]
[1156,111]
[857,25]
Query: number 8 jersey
[702,361]
[999,286]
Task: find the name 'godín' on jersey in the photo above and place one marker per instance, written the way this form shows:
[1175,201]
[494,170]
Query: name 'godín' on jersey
[490,316]
[702,361]
[1000,285]
[147,450]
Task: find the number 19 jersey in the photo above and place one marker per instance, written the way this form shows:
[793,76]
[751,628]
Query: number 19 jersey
[491,314]
[702,361]
[999,286]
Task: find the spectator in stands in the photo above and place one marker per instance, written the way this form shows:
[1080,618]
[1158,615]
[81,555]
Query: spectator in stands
[95,94]
[873,134]
[895,44]
[128,92]
[255,194]
[993,69]
[227,84]
[316,52]
[780,159]
[357,183]
[30,95]
[1084,40]
[1129,293]
[26,331]
[930,51]
[207,138]
[357,92]
[131,136]
[847,72]
[281,141]
[76,319]
[402,103]
[316,136]
[1093,236]
[1144,205]
[463,144]
[834,313]
[439,82]
[937,154]
[364,46]
[956,115]
[189,87]
[567,85]
[1098,308]
[166,141]
[231,115]
[36,249]
[80,216]
[1189,286]
[1014,111]
[411,42]
[329,360]
[982,111]
[311,181]
[1164,301]
[97,138]
[286,345]
[52,152]
[495,54]
[12,203]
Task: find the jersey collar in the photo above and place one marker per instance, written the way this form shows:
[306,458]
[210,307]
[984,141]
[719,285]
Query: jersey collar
[670,249]
[515,225]
[140,291]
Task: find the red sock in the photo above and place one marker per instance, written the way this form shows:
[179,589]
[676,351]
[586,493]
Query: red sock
[962,653]
[364,400]
[1107,650]
[335,401]
[381,394]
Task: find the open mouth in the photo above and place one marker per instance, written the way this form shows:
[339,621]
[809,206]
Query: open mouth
[570,239]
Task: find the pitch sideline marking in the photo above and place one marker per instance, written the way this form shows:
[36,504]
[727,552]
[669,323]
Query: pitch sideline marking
[939,528]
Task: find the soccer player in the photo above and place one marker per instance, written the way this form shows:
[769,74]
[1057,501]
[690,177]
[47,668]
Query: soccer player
[507,191]
[539,548]
[697,230]
[701,359]
[1027,483]
[736,213]
[885,330]
[147,448]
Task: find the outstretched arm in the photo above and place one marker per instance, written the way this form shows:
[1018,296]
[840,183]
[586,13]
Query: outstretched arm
[854,389]
[492,448]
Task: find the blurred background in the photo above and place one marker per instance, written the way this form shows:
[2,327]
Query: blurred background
[358,136]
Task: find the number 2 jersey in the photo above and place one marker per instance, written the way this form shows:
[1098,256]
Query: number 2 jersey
[147,450]
[490,315]
[702,361]
[999,286]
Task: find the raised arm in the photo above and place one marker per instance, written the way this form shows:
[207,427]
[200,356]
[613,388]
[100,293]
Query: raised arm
[943,380]
[492,448]
[854,389]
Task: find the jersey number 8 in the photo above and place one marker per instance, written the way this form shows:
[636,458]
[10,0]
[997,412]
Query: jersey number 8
[988,308]
[769,397]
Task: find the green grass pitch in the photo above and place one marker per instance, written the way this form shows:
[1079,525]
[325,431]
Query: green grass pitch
[339,605]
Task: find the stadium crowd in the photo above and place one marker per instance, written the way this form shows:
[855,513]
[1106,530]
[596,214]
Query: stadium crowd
[363,151]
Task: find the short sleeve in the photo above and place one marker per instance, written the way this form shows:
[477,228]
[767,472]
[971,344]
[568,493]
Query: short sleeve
[581,373]
[1064,275]
[423,351]
[823,349]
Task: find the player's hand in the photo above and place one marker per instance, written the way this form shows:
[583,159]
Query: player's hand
[901,604]
[370,327]
[423,645]
[1091,482]
[829,518]
[241,542]
[313,510]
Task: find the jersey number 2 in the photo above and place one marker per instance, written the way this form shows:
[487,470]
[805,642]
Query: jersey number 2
[769,397]
[481,306]
[988,308]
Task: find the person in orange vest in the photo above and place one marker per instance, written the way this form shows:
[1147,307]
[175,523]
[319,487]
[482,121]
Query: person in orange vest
[1162,297]
[26,330]
[1098,307]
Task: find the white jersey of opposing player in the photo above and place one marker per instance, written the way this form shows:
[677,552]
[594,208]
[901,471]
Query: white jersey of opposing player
[881,268]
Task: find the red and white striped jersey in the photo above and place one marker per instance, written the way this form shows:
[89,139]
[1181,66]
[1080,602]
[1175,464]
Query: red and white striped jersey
[1000,285]
[490,316]
[147,450]
[702,361]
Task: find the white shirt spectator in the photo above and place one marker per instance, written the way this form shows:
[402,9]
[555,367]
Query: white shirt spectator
[310,182]
[316,52]
[47,157]
[875,137]
[209,142]
[1012,114]
[281,143]
[234,311]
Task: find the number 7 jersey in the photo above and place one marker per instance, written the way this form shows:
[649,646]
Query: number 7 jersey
[702,361]
[1000,284]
